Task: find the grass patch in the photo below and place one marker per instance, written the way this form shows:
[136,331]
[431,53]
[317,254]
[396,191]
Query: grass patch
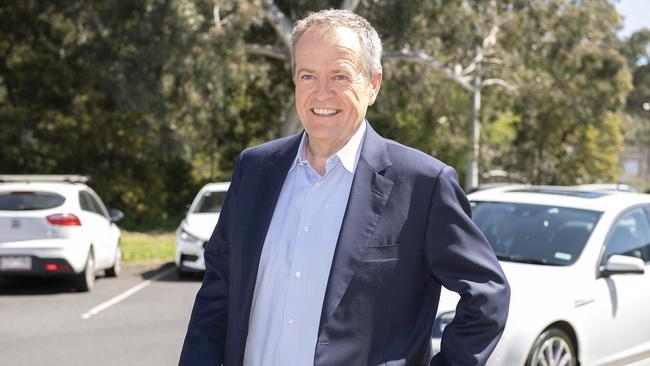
[139,246]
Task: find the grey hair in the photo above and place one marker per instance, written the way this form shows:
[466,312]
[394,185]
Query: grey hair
[371,50]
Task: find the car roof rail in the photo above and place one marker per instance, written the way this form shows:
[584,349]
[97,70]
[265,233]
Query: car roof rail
[31,178]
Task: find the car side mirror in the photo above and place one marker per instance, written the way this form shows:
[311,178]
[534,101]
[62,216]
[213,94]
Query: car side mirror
[622,264]
[116,215]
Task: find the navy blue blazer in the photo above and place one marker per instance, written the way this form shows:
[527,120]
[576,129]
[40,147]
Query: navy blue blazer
[407,231]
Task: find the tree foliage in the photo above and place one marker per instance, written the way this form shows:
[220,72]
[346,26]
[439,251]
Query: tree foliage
[155,97]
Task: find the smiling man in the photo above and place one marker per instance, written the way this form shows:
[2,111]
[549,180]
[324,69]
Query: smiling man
[333,244]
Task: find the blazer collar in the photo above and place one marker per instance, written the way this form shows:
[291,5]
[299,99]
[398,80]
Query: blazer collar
[373,151]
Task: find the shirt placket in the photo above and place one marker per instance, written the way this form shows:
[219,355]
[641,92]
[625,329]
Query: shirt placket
[293,309]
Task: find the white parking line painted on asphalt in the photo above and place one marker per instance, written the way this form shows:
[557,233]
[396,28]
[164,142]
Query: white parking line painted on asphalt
[107,304]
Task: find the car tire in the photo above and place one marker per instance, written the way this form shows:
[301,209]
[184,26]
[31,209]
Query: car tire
[85,280]
[552,347]
[116,269]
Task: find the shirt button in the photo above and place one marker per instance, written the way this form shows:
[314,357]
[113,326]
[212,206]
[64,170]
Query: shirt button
[306,228]
[290,321]
[298,274]
[317,184]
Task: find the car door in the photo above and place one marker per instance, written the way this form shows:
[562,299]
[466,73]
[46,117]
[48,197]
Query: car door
[97,227]
[626,319]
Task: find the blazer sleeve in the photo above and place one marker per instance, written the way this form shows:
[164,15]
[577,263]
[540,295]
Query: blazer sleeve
[461,259]
[206,334]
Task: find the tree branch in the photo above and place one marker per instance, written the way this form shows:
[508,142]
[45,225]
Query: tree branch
[220,24]
[267,50]
[215,16]
[488,42]
[421,57]
[279,21]
[350,5]
[500,82]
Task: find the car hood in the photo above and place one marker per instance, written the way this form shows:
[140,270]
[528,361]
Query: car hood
[201,225]
[531,285]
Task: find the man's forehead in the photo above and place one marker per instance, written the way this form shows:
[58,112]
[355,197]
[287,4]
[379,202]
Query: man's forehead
[326,34]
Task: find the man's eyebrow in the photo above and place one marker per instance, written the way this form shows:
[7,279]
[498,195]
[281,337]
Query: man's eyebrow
[302,69]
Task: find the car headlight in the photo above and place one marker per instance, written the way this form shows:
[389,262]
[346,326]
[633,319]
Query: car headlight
[441,322]
[186,236]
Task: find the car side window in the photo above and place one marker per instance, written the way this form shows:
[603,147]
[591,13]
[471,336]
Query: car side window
[88,203]
[84,202]
[99,206]
[630,236]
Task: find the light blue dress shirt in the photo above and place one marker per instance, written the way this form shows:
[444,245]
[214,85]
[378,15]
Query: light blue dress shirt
[296,258]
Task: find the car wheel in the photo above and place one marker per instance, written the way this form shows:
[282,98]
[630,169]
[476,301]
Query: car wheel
[552,348]
[117,264]
[85,280]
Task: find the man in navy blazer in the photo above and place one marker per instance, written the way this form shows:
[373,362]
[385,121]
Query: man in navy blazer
[402,232]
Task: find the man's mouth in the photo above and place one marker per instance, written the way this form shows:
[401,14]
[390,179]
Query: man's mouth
[325,112]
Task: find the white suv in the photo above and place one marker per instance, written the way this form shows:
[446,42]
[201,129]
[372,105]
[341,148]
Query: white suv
[57,226]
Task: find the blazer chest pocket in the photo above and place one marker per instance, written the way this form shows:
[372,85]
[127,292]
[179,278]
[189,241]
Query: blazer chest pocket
[381,253]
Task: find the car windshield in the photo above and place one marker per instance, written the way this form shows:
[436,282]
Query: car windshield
[537,234]
[210,202]
[27,201]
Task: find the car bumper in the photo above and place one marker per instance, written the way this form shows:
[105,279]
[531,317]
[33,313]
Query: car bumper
[189,255]
[63,256]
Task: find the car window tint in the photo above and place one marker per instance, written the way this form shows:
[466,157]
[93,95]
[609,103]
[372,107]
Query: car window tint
[98,206]
[84,203]
[27,201]
[535,233]
[88,203]
[630,236]
[210,202]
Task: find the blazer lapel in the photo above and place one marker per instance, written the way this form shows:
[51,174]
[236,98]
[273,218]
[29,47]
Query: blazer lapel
[368,196]
[274,172]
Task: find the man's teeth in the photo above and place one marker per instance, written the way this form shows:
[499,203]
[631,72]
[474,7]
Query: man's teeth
[325,111]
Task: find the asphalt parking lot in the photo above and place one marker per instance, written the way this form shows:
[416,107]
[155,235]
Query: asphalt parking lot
[138,318]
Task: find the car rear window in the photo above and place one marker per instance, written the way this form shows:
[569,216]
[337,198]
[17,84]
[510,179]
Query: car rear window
[210,202]
[27,201]
[538,234]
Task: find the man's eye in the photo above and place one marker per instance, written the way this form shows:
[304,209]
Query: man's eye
[306,77]
[340,77]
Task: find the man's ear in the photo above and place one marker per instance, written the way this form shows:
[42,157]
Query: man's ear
[375,84]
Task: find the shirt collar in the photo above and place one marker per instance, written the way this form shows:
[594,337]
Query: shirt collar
[348,155]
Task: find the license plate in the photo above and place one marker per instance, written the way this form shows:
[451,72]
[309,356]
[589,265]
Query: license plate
[16,263]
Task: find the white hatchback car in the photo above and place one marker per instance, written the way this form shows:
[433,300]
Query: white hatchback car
[195,230]
[57,226]
[577,263]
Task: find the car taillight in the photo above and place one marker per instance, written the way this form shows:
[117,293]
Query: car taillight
[64,220]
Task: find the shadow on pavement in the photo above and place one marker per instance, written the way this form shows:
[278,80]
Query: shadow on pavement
[170,274]
[38,285]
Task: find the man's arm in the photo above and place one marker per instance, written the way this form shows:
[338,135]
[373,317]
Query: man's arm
[206,333]
[460,258]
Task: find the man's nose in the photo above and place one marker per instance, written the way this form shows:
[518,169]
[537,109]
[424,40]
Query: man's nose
[324,89]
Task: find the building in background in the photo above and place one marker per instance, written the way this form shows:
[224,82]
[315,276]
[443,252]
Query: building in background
[635,167]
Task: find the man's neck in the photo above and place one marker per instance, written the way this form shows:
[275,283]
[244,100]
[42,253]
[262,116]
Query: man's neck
[318,153]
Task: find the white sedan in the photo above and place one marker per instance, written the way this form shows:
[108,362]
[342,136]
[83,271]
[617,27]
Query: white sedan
[57,226]
[577,263]
[194,232]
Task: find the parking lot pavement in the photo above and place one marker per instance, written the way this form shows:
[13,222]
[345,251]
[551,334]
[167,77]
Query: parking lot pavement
[139,318]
